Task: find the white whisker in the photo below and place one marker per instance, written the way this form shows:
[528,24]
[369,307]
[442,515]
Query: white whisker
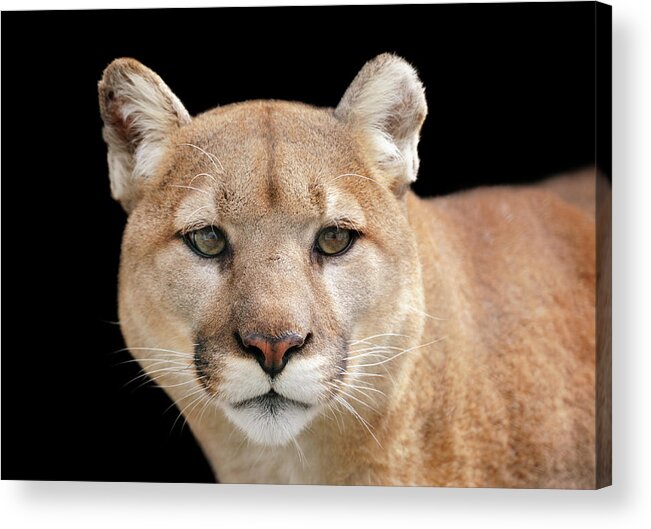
[191,381]
[401,353]
[299,450]
[356,374]
[207,404]
[335,416]
[155,349]
[377,351]
[191,187]
[156,380]
[362,421]
[187,219]
[362,389]
[164,370]
[426,314]
[155,360]
[344,392]
[367,338]
[356,175]
[203,174]
[210,156]
[200,391]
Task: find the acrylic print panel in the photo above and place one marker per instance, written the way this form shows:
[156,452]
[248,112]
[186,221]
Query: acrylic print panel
[291,308]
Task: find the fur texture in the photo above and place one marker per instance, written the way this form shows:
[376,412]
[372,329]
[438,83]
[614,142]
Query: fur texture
[139,113]
[386,103]
[453,344]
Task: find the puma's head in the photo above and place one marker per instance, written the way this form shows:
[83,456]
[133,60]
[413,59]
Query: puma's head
[267,260]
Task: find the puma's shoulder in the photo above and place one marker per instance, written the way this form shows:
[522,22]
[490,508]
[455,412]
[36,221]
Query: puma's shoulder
[516,307]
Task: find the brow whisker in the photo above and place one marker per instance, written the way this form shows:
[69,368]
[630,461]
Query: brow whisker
[210,156]
[187,219]
[203,174]
[190,187]
[354,174]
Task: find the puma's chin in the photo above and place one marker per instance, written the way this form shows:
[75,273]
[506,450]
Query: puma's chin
[270,419]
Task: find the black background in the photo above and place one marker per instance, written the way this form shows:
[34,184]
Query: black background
[511,97]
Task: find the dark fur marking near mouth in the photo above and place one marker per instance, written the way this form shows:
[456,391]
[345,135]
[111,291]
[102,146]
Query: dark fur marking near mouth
[270,402]
[201,364]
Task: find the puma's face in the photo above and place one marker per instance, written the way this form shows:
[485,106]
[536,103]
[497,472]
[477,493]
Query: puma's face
[267,246]
[271,247]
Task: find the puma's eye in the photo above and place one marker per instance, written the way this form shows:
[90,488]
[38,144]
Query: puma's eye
[207,242]
[333,241]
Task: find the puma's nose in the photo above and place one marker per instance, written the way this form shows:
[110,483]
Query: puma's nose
[272,352]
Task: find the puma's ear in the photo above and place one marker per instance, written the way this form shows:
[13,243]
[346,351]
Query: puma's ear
[139,112]
[386,104]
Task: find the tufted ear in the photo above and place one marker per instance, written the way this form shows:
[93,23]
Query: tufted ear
[386,104]
[139,112]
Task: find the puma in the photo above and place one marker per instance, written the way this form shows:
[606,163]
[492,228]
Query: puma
[317,322]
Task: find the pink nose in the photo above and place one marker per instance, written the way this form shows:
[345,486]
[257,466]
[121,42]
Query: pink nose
[271,352]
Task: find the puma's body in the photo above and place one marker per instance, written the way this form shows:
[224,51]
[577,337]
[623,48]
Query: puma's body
[451,343]
[488,406]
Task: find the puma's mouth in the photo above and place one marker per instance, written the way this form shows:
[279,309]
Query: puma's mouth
[271,402]
[271,410]
[270,419]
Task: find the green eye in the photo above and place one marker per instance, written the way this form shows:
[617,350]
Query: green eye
[333,241]
[207,242]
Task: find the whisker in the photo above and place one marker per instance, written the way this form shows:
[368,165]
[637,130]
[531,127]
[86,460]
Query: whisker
[354,174]
[365,339]
[362,389]
[329,408]
[373,348]
[187,220]
[299,450]
[203,174]
[357,400]
[190,187]
[261,452]
[182,411]
[426,314]
[210,156]
[149,374]
[352,410]
[167,370]
[155,360]
[209,402]
[153,349]
[191,381]
[356,374]
[375,352]
[175,367]
[203,401]
[401,353]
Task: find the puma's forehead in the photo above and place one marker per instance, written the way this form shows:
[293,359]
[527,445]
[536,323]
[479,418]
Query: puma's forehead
[269,150]
[246,160]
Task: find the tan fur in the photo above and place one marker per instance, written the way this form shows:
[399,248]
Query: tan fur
[487,376]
